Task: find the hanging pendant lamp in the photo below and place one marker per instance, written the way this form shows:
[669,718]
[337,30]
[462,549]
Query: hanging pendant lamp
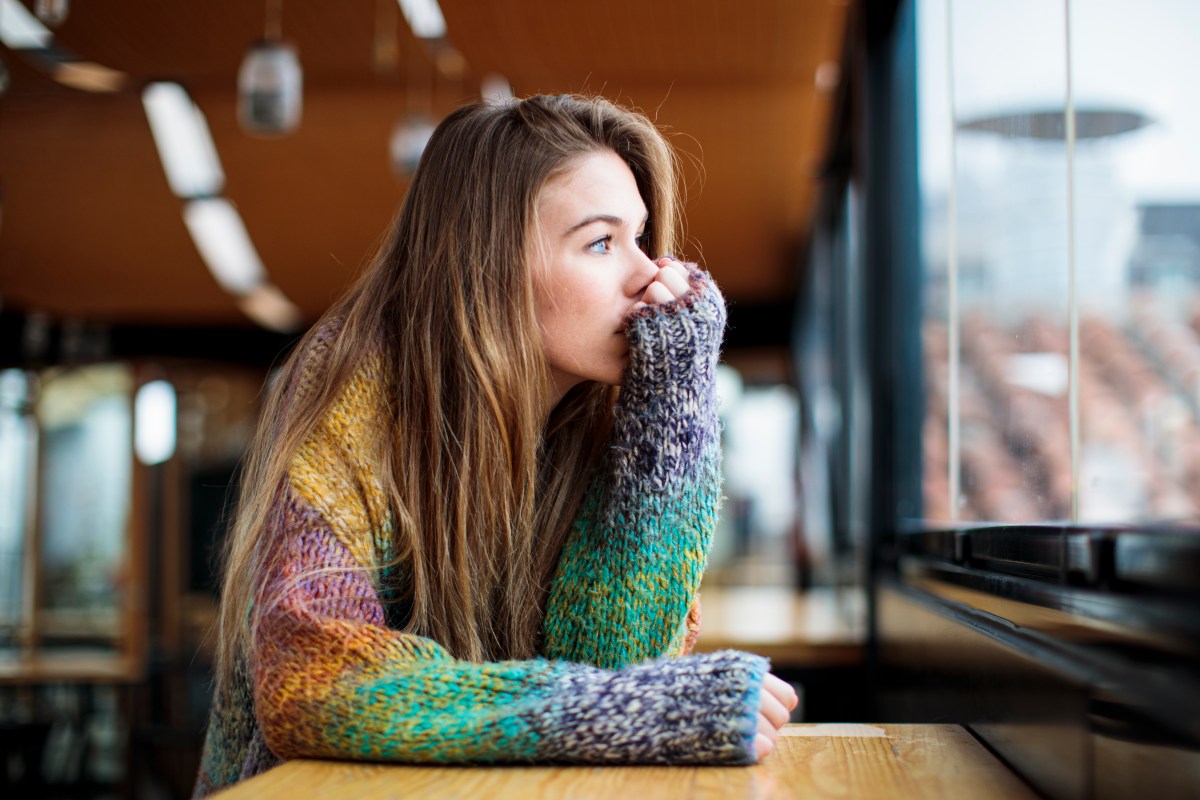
[52,12]
[270,81]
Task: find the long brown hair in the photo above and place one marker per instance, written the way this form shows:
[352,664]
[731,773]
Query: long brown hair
[482,488]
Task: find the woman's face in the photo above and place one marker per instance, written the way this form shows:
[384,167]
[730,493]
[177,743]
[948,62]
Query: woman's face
[588,268]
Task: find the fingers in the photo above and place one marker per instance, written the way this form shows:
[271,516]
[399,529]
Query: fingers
[764,739]
[674,264]
[657,293]
[670,282]
[782,691]
[771,708]
[776,701]
[762,747]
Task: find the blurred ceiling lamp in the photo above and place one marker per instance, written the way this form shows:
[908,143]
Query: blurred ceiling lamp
[154,422]
[828,74]
[52,12]
[5,75]
[20,30]
[221,237]
[270,81]
[184,144]
[89,76]
[414,129]
[424,18]
[409,138]
[495,90]
[268,306]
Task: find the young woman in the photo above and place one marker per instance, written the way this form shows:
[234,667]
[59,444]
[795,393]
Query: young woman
[475,516]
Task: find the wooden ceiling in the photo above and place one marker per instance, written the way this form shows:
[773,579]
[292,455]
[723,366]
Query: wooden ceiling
[90,230]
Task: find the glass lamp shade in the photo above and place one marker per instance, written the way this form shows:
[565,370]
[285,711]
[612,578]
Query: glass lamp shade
[409,138]
[52,12]
[270,89]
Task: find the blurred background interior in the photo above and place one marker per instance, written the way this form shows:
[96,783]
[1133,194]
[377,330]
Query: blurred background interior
[960,388]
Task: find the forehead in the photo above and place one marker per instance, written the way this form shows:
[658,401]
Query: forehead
[594,183]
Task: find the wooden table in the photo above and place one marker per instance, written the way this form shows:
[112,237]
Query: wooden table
[822,627]
[811,761]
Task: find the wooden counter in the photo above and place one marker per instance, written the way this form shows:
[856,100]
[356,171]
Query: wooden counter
[69,666]
[811,761]
[821,627]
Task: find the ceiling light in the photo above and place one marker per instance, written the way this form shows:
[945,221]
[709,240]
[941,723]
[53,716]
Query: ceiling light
[424,18]
[268,306]
[409,138]
[154,422]
[52,12]
[20,30]
[89,76]
[495,89]
[184,143]
[221,237]
[270,88]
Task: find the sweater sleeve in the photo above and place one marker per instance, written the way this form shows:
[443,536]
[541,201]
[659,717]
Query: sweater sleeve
[632,564]
[331,680]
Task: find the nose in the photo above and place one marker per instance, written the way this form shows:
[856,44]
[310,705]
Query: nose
[641,274]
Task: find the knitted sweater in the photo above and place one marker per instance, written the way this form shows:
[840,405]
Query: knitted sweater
[327,677]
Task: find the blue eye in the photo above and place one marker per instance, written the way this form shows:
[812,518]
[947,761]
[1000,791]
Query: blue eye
[643,241]
[601,245]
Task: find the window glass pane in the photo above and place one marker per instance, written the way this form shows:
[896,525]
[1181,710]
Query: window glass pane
[17,453]
[993,173]
[85,415]
[1138,231]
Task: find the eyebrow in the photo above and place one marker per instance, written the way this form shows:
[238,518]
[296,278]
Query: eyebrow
[609,218]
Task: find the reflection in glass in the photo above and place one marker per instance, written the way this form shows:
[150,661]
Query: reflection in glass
[86,471]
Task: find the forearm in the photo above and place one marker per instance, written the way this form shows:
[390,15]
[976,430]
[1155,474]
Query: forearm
[633,562]
[429,708]
[330,679]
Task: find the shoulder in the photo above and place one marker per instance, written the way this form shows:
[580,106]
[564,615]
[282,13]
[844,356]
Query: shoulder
[337,469]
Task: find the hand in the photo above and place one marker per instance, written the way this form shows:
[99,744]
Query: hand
[775,703]
[670,282]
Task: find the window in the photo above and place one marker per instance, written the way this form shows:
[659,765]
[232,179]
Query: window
[1060,239]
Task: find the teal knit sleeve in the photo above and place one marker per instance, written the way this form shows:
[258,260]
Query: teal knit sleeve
[632,563]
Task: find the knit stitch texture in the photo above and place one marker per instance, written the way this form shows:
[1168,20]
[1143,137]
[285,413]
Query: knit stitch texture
[327,677]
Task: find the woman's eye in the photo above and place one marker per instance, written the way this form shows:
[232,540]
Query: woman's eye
[601,245]
[643,241]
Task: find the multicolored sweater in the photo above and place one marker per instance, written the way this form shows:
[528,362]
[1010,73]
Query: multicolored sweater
[328,678]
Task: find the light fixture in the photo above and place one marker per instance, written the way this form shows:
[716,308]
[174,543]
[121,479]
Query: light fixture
[268,306]
[154,422]
[20,30]
[89,76]
[424,18]
[409,138]
[220,236]
[270,81]
[495,89]
[52,12]
[184,144]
